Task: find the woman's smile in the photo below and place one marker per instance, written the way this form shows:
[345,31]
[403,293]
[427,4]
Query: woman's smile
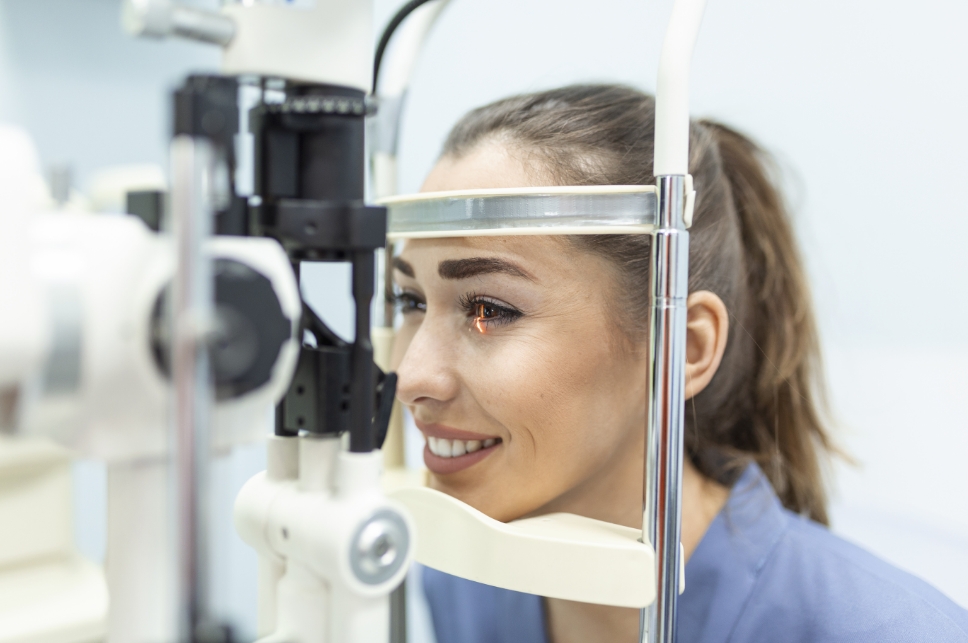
[449,450]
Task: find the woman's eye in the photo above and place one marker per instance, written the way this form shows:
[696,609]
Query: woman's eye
[484,313]
[408,302]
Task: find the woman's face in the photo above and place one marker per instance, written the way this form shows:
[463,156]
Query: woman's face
[511,364]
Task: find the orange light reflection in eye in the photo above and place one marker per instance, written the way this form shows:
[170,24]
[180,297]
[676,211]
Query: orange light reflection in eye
[480,319]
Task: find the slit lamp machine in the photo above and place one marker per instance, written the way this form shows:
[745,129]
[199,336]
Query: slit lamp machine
[151,342]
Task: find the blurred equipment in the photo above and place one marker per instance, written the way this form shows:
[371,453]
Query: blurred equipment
[48,593]
[86,361]
[295,83]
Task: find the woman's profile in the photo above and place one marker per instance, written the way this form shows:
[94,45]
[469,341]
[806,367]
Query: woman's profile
[523,361]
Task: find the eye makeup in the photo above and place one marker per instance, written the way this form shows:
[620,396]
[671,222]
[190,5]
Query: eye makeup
[486,313]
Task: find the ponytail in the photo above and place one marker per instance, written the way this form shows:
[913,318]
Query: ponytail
[785,423]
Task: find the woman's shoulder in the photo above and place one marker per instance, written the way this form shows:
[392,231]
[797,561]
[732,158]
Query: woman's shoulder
[762,573]
[837,591]
[794,579]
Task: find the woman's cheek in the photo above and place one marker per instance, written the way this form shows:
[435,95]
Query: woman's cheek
[531,388]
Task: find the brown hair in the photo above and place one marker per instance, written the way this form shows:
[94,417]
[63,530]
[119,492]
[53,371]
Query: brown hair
[764,403]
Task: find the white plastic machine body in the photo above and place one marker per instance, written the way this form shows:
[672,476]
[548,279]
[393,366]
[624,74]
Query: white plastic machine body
[323,41]
[81,370]
[331,546]
[103,275]
[314,41]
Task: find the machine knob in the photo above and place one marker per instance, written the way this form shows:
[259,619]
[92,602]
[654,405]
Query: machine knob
[380,547]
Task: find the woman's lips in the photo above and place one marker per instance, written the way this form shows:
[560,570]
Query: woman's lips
[442,466]
[467,448]
[431,429]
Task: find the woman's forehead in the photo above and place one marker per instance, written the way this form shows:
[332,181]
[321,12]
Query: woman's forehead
[490,164]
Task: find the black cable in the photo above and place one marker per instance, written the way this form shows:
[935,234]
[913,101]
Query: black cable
[395,22]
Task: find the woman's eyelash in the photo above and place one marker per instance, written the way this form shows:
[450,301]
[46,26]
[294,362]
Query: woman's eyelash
[483,312]
[486,312]
[407,302]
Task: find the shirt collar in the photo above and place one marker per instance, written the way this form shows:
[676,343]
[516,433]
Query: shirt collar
[722,571]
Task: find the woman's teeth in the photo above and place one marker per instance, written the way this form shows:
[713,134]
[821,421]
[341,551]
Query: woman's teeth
[453,448]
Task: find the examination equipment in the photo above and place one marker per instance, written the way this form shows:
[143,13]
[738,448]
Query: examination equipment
[268,171]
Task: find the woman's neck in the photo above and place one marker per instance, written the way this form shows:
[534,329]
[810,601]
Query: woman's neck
[606,499]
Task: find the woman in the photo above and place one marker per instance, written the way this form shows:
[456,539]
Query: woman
[523,362]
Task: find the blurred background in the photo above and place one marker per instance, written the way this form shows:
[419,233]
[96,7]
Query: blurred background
[863,103]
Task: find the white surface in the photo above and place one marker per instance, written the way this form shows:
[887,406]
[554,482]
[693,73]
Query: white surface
[35,501]
[906,499]
[48,594]
[24,337]
[672,88]
[863,101]
[140,563]
[59,600]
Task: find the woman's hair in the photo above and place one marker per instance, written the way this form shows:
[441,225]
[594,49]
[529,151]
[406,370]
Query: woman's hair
[764,403]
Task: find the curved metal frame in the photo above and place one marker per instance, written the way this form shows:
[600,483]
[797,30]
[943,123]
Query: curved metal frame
[515,211]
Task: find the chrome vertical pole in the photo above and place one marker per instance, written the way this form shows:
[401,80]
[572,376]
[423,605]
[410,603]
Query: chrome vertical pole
[192,170]
[669,264]
[662,510]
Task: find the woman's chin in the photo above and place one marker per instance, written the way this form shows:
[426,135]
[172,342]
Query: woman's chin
[479,494]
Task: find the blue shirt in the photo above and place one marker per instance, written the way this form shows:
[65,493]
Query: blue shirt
[760,574]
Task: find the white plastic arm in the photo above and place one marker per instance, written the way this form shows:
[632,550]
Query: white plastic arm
[399,61]
[672,89]
[557,555]
[405,47]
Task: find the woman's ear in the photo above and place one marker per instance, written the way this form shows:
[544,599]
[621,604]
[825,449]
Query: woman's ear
[706,329]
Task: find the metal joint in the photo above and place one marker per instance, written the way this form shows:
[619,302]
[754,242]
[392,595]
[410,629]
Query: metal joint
[380,547]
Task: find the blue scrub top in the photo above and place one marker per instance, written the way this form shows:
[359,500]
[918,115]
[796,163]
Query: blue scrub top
[761,573]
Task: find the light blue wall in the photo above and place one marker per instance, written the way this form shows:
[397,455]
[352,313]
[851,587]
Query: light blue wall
[89,95]
[863,102]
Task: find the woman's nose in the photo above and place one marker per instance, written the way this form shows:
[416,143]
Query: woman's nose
[427,373]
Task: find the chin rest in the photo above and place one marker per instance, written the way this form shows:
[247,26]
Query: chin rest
[556,555]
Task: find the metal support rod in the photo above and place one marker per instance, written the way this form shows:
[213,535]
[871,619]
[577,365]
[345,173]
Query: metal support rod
[280,429]
[192,168]
[398,614]
[363,383]
[662,510]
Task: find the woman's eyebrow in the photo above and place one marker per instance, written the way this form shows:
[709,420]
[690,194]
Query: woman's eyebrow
[403,267]
[464,268]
